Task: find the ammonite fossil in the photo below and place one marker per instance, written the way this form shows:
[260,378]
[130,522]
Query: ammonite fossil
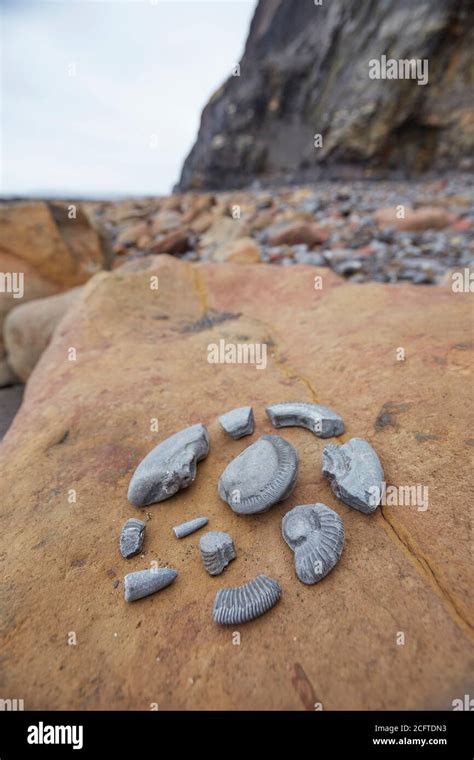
[241,604]
[316,535]
[321,420]
[355,474]
[263,473]
[238,422]
[131,537]
[169,467]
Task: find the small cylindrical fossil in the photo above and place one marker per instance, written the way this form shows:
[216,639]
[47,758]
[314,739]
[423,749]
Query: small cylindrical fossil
[145,582]
[191,526]
[217,550]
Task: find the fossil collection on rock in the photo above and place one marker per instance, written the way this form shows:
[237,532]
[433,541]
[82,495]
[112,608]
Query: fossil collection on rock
[262,475]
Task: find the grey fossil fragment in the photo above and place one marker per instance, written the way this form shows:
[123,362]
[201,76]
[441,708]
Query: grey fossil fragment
[355,474]
[217,550]
[241,604]
[321,420]
[238,422]
[131,537]
[145,582]
[315,533]
[262,474]
[191,526]
[169,467]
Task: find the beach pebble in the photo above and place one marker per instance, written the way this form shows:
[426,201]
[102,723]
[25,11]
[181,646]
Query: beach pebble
[169,467]
[260,476]
[238,422]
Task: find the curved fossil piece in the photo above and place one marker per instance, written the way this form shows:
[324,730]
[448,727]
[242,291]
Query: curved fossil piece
[191,526]
[238,422]
[355,474]
[146,582]
[316,535]
[132,537]
[217,550]
[321,420]
[263,473]
[241,604]
[169,467]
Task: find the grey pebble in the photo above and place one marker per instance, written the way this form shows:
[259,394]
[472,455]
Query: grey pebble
[145,582]
[238,422]
[346,268]
[217,550]
[308,257]
[132,537]
[260,476]
[315,533]
[191,526]
[355,474]
[321,420]
[169,467]
[241,604]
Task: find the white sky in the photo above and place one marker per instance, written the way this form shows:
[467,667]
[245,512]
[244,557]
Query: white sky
[125,122]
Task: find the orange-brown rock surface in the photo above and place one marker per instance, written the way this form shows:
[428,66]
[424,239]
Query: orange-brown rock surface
[299,233]
[244,250]
[63,250]
[52,245]
[141,355]
[28,329]
[424,218]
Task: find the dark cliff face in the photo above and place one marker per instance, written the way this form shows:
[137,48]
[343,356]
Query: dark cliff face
[306,71]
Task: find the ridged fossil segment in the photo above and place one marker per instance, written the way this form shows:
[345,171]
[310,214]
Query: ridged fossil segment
[315,533]
[263,473]
[241,604]
[321,420]
[169,467]
[146,582]
[217,550]
[132,537]
[355,474]
[238,422]
[191,526]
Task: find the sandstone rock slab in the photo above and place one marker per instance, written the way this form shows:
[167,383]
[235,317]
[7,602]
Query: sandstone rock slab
[59,244]
[51,246]
[143,357]
[28,329]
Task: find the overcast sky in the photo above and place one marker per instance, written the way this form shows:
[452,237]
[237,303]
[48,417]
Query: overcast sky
[103,97]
